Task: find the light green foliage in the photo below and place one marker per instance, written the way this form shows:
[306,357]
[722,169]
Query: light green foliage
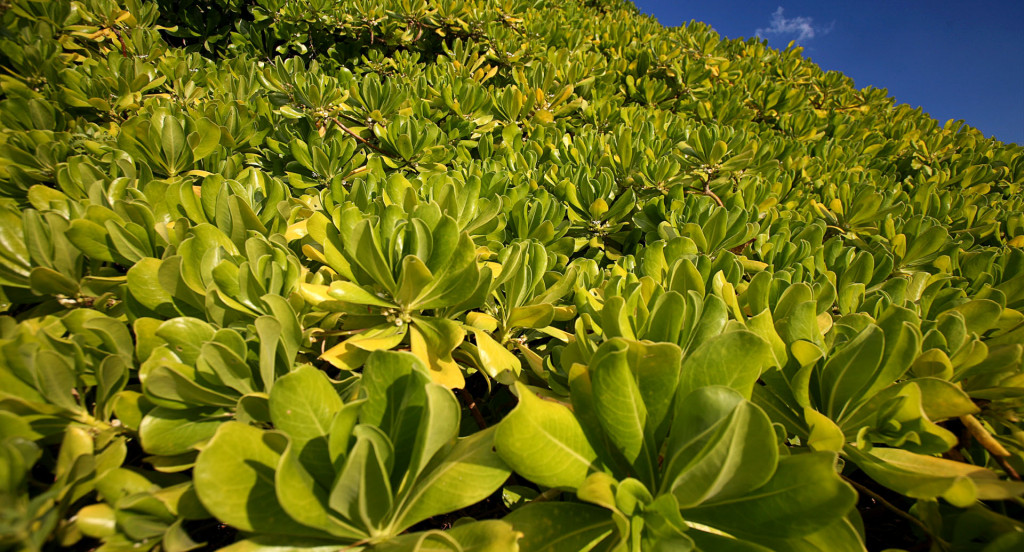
[478,275]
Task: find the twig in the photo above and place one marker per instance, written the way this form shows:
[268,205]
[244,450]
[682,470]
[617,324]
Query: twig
[889,506]
[1003,463]
[359,138]
[124,49]
[714,196]
[741,247]
[471,404]
[547,495]
[706,190]
[354,545]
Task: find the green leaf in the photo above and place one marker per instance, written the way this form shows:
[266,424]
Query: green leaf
[620,408]
[303,404]
[467,474]
[341,430]
[712,542]
[55,380]
[144,285]
[494,358]
[353,293]
[943,400]
[275,543]
[928,477]
[169,432]
[456,274]
[486,536]
[652,371]
[234,478]
[438,426]
[932,363]
[362,491]
[208,139]
[97,521]
[290,112]
[269,330]
[470,536]
[849,371]
[542,441]
[304,499]
[300,151]
[128,247]
[395,384]
[186,336]
[803,496]
[46,281]
[226,366]
[764,326]
[721,447]
[353,352]
[841,536]
[531,316]
[734,360]
[364,250]
[130,407]
[413,281]
[91,239]
[172,137]
[562,526]
[825,435]
[896,416]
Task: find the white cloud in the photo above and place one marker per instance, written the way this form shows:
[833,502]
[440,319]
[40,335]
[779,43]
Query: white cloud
[799,28]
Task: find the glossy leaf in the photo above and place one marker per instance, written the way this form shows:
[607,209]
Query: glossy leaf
[542,441]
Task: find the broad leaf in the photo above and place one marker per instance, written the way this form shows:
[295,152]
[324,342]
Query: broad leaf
[542,441]
[169,432]
[803,496]
[234,478]
[558,526]
[733,359]
[721,447]
[303,404]
[928,477]
[466,474]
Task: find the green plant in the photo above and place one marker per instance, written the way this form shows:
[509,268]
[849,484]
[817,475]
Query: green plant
[414,275]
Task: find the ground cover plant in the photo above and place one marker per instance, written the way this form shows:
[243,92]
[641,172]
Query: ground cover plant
[491,275]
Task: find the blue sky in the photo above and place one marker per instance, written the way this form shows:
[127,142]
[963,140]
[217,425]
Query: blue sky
[955,60]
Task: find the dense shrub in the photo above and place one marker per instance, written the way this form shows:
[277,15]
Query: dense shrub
[490,275]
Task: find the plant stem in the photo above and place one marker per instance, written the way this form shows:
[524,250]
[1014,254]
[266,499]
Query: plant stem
[713,195]
[471,404]
[706,190]
[124,49]
[1012,473]
[890,506]
[355,545]
[359,138]
[547,495]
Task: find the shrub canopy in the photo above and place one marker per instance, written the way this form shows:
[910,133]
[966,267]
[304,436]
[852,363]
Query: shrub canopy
[490,275]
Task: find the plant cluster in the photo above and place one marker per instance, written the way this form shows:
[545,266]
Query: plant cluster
[491,275]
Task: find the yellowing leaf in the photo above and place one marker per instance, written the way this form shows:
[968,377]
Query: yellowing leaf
[494,358]
[433,342]
[825,434]
[296,231]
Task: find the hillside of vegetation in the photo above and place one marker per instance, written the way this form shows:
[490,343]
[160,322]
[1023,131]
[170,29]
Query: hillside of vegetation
[491,275]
